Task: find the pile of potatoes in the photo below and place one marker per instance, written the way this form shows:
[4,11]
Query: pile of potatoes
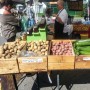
[62,48]
[39,47]
[11,49]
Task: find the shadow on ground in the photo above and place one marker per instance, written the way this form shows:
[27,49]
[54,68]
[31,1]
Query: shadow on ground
[67,78]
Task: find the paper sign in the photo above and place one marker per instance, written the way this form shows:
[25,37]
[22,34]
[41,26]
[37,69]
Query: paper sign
[38,60]
[86,58]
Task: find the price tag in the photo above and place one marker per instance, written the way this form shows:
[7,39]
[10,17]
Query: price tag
[38,60]
[86,58]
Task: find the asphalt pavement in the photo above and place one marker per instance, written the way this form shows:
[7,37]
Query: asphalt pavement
[68,80]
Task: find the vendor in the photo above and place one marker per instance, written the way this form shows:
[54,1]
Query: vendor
[8,21]
[61,21]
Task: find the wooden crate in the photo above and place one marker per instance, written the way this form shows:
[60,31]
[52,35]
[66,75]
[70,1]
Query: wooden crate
[56,63]
[32,64]
[8,66]
[82,62]
[60,62]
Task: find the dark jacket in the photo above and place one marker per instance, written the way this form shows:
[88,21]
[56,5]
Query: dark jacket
[8,26]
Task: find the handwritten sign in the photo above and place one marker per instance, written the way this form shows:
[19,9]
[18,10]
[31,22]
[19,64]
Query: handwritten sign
[86,58]
[33,60]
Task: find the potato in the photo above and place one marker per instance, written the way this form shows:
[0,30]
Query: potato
[46,53]
[43,53]
[29,49]
[43,50]
[19,47]
[38,48]
[15,49]
[0,55]
[46,47]
[13,56]
[11,50]
[5,47]
[1,50]
[10,47]
[3,55]
[7,52]
[8,56]
[35,47]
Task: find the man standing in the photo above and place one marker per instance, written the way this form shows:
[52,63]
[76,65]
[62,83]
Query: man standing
[61,20]
[30,13]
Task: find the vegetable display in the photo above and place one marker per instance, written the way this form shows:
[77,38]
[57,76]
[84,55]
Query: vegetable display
[38,47]
[82,47]
[11,49]
[62,48]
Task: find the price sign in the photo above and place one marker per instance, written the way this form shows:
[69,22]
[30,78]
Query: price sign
[33,60]
[86,58]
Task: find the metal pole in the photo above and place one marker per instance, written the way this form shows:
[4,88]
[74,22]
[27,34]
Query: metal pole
[57,81]
[15,82]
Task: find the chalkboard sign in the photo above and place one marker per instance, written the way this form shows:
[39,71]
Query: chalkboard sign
[75,5]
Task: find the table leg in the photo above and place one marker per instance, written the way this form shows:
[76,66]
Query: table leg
[15,82]
[58,81]
[38,86]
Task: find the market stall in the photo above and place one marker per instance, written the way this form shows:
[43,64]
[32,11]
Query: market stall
[39,54]
[44,56]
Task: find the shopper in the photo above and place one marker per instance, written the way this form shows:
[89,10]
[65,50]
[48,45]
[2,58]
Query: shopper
[30,14]
[61,21]
[8,21]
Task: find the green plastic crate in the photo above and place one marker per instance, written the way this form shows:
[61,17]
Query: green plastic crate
[41,35]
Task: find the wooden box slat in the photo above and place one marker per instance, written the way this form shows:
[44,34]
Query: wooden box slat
[32,64]
[70,58]
[54,58]
[8,66]
[60,66]
[82,65]
[82,62]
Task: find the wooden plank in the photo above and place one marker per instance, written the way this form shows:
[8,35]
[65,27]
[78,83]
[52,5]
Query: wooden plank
[0,86]
[70,58]
[65,40]
[82,65]
[8,66]
[60,66]
[32,64]
[54,58]
[82,62]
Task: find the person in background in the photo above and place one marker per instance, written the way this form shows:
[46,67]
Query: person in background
[30,13]
[61,21]
[8,21]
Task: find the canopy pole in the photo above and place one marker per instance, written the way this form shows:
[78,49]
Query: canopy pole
[88,10]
